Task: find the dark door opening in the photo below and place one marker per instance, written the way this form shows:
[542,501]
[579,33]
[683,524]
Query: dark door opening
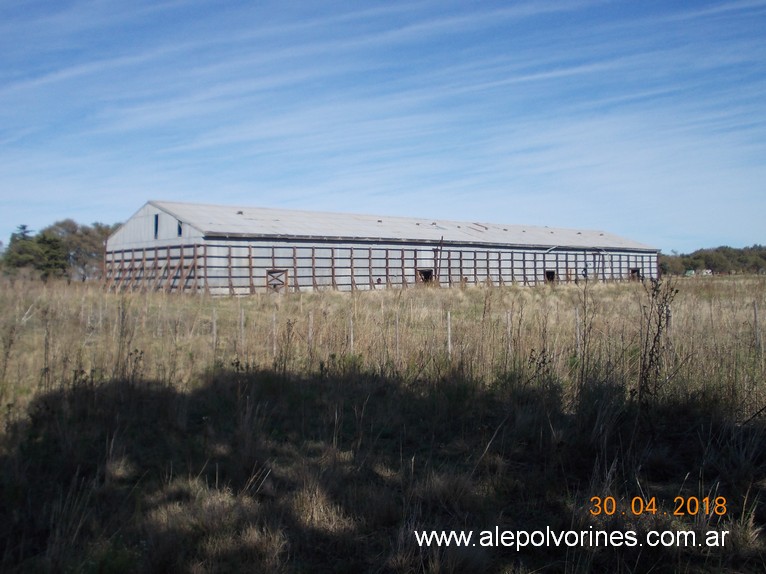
[635,275]
[550,276]
[425,275]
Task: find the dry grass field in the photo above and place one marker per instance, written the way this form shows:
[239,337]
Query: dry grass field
[316,432]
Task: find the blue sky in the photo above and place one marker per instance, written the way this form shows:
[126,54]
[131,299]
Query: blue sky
[643,118]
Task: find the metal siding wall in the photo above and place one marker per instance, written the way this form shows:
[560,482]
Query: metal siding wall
[239,267]
[138,231]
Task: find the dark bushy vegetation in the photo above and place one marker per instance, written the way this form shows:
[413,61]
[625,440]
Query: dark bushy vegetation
[255,471]
[65,248]
[718,260]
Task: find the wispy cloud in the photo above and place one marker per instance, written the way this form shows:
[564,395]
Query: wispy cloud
[641,119]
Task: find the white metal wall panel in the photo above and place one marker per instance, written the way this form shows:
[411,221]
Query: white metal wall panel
[236,266]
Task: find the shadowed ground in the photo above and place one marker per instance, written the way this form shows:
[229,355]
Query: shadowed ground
[260,471]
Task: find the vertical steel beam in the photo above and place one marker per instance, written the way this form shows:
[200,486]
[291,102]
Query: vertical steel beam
[404,277]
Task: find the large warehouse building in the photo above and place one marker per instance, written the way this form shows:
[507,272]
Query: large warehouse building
[239,250]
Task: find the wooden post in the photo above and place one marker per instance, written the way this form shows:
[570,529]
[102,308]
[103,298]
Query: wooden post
[152,284]
[103,265]
[195,285]
[125,276]
[167,261]
[332,267]
[106,271]
[489,268]
[117,273]
[296,287]
[404,277]
[372,280]
[207,280]
[134,268]
[229,272]
[524,267]
[314,267]
[251,279]
[143,266]
[182,278]
[171,274]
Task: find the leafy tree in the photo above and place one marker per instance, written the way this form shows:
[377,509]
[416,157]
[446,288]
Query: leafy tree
[722,259]
[62,247]
[53,256]
[23,250]
[84,246]
[671,264]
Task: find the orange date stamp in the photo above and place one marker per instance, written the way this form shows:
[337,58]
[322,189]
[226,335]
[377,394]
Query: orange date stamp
[638,506]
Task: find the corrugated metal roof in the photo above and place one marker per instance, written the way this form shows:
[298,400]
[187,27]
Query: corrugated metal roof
[234,221]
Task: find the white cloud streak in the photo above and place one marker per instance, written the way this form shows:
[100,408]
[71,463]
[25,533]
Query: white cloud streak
[641,121]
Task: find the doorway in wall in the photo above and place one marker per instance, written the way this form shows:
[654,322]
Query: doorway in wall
[425,275]
[550,276]
[276,280]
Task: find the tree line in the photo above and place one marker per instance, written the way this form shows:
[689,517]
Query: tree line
[64,249]
[718,260]
[75,251]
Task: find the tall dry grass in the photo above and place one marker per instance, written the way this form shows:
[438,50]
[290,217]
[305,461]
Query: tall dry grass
[58,334]
[315,431]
